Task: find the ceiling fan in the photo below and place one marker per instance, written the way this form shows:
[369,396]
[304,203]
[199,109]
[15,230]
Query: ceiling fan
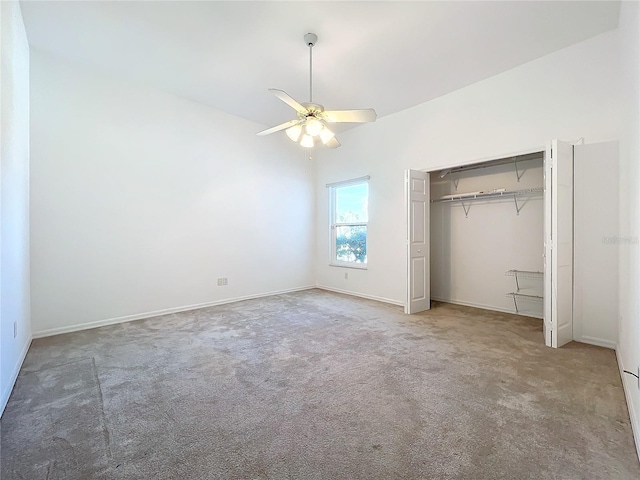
[312,120]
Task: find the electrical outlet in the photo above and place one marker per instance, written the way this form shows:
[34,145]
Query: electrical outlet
[346,275]
[15,329]
[225,281]
[220,282]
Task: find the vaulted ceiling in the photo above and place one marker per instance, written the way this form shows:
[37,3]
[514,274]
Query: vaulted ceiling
[386,55]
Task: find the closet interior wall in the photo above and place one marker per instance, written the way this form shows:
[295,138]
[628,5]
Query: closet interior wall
[472,250]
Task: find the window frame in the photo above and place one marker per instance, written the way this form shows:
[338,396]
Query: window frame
[334,224]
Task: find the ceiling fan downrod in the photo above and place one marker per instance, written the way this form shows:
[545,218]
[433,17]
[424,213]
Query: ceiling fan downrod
[310,39]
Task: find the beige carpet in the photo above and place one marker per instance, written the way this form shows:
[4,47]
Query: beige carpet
[315,385]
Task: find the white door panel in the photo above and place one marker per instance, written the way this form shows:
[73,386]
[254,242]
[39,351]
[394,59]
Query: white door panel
[418,266]
[558,294]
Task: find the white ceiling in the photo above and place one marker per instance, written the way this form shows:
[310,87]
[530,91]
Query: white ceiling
[386,55]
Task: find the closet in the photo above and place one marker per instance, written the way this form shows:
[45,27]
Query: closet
[535,233]
[496,234]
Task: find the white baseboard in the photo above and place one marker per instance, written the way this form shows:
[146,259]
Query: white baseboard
[482,306]
[361,295]
[156,313]
[14,376]
[629,382]
[599,342]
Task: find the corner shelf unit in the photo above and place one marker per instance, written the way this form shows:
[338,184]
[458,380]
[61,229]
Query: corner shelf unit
[469,197]
[517,294]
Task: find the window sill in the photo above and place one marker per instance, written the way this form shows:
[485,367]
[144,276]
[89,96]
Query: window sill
[350,265]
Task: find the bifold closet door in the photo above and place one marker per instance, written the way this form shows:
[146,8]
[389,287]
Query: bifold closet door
[418,263]
[558,241]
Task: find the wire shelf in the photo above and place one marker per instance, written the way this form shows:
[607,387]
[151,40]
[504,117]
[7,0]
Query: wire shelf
[524,295]
[497,193]
[491,194]
[518,295]
[524,274]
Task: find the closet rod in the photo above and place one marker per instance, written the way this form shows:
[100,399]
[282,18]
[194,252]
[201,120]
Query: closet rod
[472,196]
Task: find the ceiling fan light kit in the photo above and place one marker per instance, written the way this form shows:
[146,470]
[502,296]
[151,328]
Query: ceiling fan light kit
[312,117]
[307,141]
[313,126]
[294,132]
[326,135]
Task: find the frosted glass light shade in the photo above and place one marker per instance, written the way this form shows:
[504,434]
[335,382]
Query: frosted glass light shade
[307,141]
[326,135]
[294,132]
[313,126]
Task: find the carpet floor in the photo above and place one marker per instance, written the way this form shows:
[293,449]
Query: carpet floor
[317,385]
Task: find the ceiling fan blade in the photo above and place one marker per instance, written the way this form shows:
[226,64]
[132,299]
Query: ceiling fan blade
[357,116]
[277,128]
[333,143]
[284,96]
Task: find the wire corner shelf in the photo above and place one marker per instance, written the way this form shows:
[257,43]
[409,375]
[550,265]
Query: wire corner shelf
[518,295]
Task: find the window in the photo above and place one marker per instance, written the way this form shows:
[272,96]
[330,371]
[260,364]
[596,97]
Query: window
[349,205]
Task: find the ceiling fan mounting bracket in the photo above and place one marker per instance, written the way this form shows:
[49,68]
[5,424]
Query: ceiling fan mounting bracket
[313,109]
[310,39]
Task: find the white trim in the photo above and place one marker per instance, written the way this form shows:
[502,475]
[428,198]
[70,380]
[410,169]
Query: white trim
[357,266]
[156,313]
[361,295]
[598,342]
[366,178]
[482,306]
[633,416]
[350,224]
[14,376]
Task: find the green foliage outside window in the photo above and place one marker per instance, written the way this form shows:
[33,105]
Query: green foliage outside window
[351,244]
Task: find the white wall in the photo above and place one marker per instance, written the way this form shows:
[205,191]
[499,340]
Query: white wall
[596,243]
[14,203]
[567,95]
[141,200]
[629,279]
[464,266]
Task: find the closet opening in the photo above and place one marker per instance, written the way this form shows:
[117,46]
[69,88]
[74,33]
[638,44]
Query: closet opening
[487,234]
[527,233]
